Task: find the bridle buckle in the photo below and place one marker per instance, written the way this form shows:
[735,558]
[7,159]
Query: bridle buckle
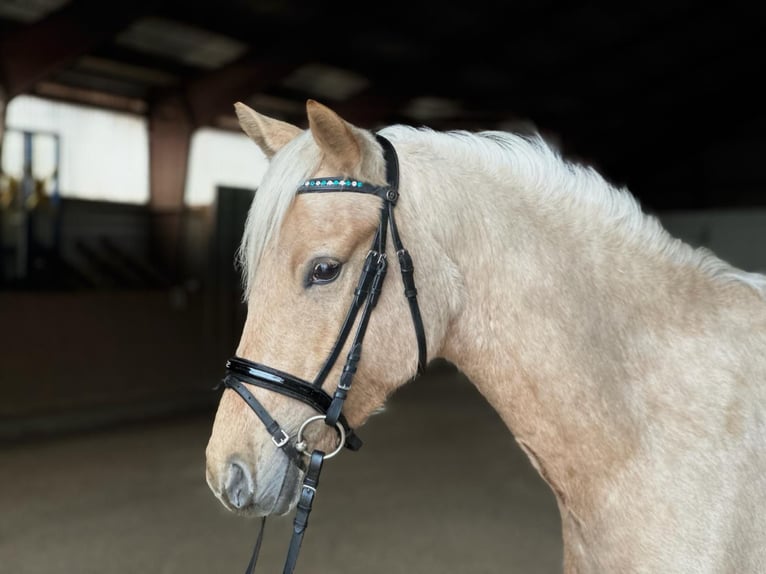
[281,438]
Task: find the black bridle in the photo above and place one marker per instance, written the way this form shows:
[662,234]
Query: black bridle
[241,372]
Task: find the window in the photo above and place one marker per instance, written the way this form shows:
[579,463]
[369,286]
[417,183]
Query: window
[103,154]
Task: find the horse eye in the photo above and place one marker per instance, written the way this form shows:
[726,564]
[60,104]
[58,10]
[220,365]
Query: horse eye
[324,271]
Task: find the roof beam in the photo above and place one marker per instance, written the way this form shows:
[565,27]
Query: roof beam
[214,94]
[31,53]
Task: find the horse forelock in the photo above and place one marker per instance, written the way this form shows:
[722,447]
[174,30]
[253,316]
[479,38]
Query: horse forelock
[288,169]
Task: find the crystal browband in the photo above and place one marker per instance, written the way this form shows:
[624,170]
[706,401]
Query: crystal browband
[321,184]
[318,182]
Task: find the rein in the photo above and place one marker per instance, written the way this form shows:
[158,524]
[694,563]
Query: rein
[242,372]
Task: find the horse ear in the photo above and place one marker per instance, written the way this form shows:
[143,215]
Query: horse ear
[334,136]
[270,134]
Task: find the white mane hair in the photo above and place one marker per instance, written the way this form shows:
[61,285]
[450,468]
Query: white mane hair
[296,162]
[559,185]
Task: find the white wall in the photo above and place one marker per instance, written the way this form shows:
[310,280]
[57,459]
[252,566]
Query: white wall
[104,154]
[220,157]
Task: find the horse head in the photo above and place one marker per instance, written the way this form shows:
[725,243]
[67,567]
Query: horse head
[307,259]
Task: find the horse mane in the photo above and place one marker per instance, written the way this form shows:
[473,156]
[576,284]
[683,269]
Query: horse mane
[562,185]
[566,186]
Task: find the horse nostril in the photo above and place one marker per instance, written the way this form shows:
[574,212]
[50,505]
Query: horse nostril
[239,486]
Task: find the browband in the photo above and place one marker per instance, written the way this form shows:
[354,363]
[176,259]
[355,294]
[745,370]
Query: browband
[328,184]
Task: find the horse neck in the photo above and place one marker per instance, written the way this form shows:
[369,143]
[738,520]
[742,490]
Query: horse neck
[566,303]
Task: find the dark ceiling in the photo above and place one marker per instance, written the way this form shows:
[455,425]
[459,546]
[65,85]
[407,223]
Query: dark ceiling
[664,97]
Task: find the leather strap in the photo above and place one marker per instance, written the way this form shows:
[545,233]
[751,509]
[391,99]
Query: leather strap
[305,503]
[355,353]
[301,520]
[279,437]
[324,184]
[405,261]
[411,293]
[360,294]
[257,548]
[392,169]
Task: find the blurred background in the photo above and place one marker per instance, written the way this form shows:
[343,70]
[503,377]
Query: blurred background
[124,184]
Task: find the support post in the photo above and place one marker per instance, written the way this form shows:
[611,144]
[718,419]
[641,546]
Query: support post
[170,131]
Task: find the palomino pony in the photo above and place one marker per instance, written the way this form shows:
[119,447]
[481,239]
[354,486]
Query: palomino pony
[630,367]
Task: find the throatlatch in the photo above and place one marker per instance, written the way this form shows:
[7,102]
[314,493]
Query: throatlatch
[241,372]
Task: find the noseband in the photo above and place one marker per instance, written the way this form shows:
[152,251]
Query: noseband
[240,372]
